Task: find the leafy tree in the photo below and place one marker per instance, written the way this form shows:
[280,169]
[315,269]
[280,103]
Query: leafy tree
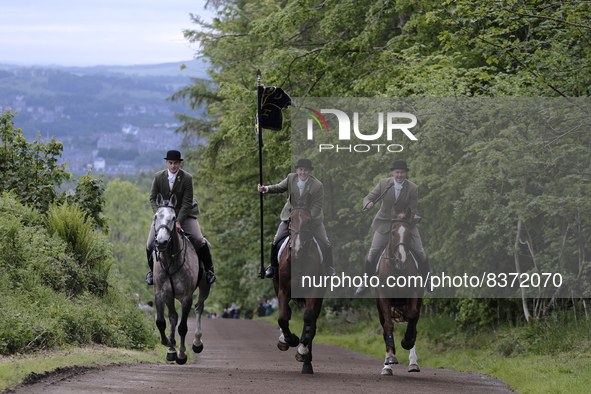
[29,169]
[505,190]
[89,195]
[129,215]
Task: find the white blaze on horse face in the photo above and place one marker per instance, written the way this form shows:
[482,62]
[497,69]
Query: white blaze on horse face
[401,231]
[297,243]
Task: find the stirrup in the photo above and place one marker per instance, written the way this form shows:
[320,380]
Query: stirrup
[360,290]
[150,279]
[269,272]
[210,277]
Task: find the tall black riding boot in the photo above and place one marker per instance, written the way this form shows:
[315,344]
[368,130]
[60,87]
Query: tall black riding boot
[327,250]
[367,270]
[425,269]
[205,255]
[150,277]
[270,272]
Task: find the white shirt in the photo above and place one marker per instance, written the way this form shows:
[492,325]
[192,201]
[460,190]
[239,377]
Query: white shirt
[397,188]
[171,178]
[302,184]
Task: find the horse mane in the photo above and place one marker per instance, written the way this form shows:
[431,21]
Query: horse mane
[176,235]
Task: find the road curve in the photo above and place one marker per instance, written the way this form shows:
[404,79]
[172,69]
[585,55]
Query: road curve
[241,356]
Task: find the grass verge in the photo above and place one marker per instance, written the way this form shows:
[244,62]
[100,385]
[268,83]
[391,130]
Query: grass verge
[442,343]
[14,369]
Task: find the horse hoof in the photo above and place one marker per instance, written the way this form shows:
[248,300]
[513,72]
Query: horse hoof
[407,345]
[307,369]
[282,346]
[171,356]
[302,357]
[387,371]
[198,349]
[414,368]
[391,360]
[181,361]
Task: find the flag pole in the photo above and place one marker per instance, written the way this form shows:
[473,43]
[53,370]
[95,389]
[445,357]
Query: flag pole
[260,89]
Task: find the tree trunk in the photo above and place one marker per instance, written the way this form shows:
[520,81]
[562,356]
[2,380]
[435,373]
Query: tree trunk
[518,270]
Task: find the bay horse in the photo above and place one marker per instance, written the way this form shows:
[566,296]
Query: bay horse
[399,303]
[177,274]
[301,256]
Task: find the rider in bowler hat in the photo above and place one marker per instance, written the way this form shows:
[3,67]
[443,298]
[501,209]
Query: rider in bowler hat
[400,194]
[174,181]
[298,185]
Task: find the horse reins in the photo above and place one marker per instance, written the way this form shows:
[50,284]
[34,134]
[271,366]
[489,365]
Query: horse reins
[366,211]
[306,242]
[173,256]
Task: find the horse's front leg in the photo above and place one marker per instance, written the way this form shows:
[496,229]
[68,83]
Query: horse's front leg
[304,353]
[199,305]
[388,327]
[181,357]
[287,338]
[160,320]
[412,315]
[412,360]
[172,319]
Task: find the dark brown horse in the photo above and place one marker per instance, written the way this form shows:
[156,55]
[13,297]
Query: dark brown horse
[401,299]
[301,256]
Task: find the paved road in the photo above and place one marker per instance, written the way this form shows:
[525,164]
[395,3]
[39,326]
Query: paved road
[241,356]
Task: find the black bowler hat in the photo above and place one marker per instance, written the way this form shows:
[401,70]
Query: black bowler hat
[399,165]
[173,155]
[304,163]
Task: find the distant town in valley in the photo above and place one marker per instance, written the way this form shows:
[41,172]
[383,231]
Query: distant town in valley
[116,119]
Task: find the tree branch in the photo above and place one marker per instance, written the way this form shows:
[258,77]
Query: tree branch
[543,17]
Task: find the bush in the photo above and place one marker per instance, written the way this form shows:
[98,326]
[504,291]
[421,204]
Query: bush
[56,267]
[90,250]
[54,282]
[51,320]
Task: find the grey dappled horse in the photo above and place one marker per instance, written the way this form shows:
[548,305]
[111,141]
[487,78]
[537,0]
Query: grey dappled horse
[177,274]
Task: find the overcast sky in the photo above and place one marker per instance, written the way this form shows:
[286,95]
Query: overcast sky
[96,32]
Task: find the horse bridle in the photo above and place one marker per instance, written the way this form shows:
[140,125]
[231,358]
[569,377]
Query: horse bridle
[173,256]
[306,242]
[171,231]
[299,231]
[399,243]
